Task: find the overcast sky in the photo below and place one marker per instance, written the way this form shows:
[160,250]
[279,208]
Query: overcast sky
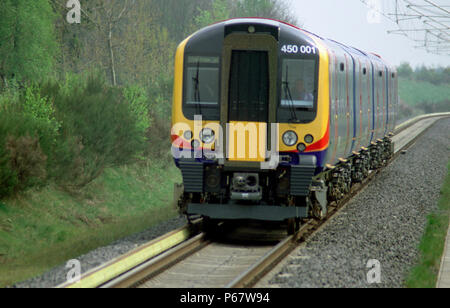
[346,21]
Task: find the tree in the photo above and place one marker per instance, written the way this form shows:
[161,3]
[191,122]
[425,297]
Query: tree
[220,10]
[134,41]
[178,16]
[275,9]
[146,48]
[27,40]
[405,70]
[107,15]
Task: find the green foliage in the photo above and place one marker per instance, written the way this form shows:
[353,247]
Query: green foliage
[439,76]
[255,8]
[70,131]
[8,177]
[416,92]
[69,83]
[137,99]
[274,9]
[22,161]
[159,145]
[160,94]
[99,129]
[423,90]
[9,96]
[425,273]
[28,44]
[224,9]
[27,161]
[405,70]
[220,10]
[40,108]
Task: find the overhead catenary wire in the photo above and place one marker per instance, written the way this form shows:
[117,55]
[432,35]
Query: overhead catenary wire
[427,22]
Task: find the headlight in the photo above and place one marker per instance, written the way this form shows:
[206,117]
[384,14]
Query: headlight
[188,135]
[290,138]
[301,147]
[207,136]
[309,139]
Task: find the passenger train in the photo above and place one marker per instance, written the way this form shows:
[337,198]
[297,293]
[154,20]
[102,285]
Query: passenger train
[274,123]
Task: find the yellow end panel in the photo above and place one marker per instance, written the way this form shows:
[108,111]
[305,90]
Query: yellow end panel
[177,110]
[247,141]
[319,127]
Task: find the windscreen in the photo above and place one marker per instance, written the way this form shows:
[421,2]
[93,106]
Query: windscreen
[298,90]
[202,81]
[298,83]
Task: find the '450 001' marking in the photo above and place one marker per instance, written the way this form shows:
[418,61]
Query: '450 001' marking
[299,49]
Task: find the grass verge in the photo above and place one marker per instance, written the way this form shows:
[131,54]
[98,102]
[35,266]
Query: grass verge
[425,274]
[43,228]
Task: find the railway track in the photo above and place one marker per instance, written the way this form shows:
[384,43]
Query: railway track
[187,258]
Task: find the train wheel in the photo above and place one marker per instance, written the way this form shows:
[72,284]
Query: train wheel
[293,225]
[317,211]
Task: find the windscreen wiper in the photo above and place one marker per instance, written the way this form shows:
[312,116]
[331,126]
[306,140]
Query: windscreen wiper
[196,80]
[287,93]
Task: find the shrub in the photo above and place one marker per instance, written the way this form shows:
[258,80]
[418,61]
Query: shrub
[69,131]
[138,103]
[22,161]
[8,177]
[27,161]
[9,96]
[99,129]
[160,93]
[40,108]
[71,171]
[159,144]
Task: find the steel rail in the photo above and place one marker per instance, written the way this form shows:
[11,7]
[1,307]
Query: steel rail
[154,266]
[117,267]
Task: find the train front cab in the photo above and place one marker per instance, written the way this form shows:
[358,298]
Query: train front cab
[268,143]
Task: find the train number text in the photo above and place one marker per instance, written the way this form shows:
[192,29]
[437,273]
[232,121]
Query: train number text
[294,49]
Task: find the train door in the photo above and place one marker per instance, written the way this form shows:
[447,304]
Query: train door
[248,97]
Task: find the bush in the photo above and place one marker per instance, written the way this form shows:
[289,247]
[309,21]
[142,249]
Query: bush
[70,131]
[138,102]
[160,92]
[9,96]
[159,145]
[22,161]
[8,177]
[99,129]
[27,161]
[40,108]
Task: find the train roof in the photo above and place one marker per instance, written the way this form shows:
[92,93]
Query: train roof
[289,27]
